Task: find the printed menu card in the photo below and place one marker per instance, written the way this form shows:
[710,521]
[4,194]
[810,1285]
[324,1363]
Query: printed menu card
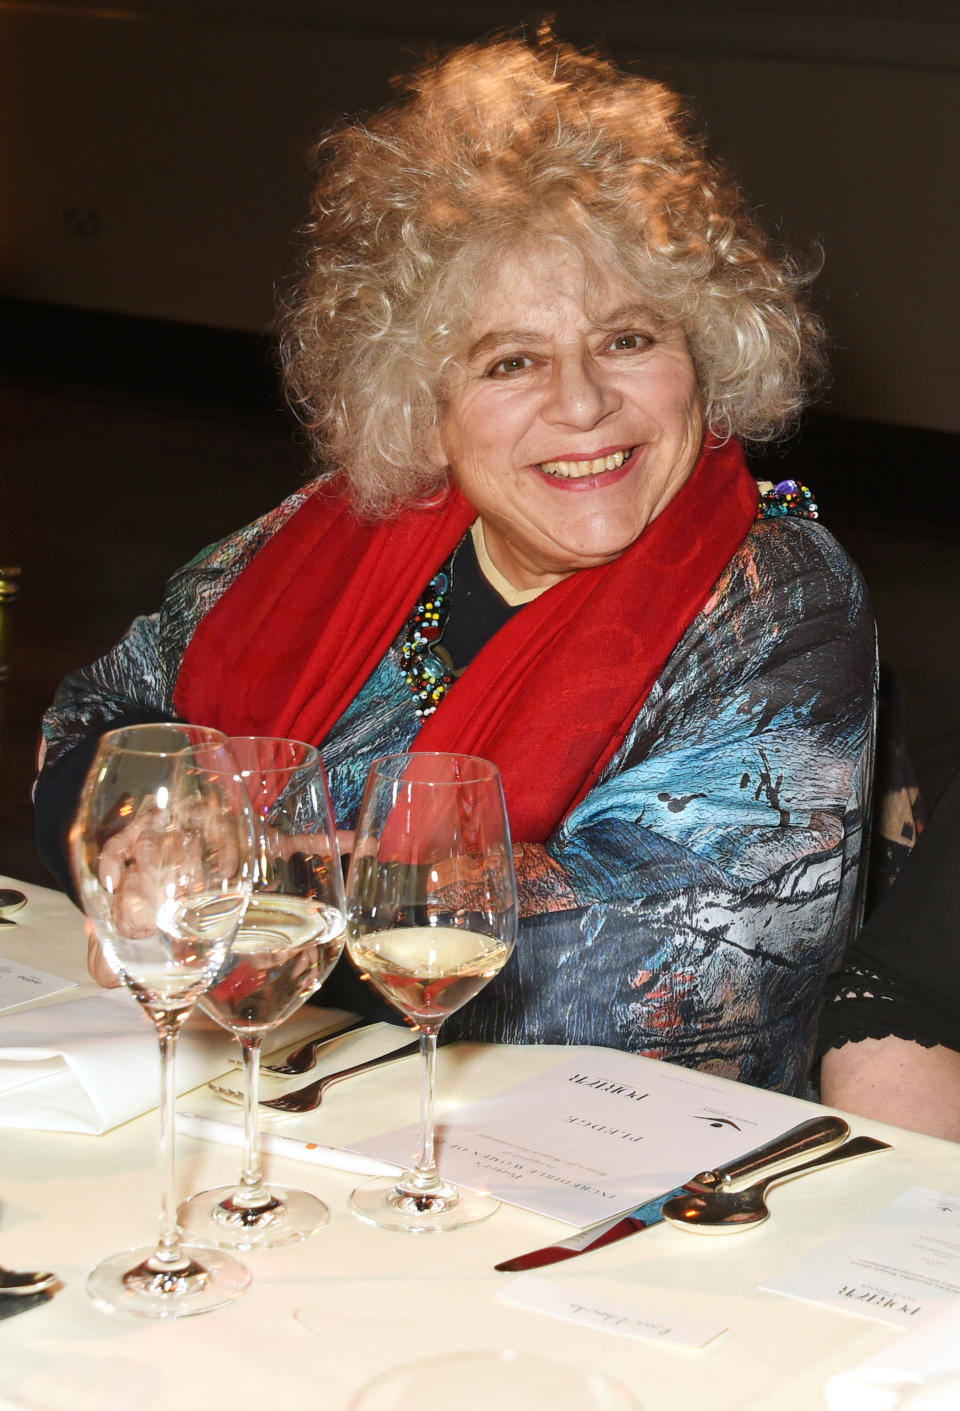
[21,983]
[898,1265]
[599,1134]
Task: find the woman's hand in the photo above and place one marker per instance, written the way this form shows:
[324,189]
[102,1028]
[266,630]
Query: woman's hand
[129,874]
[97,964]
[129,871]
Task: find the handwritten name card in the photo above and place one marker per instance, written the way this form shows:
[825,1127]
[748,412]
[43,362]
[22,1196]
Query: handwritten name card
[559,1301]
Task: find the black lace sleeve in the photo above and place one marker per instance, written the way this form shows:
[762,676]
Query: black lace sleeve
[902,976]
[868,1001]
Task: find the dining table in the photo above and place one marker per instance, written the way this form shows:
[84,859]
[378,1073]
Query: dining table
[323,1318]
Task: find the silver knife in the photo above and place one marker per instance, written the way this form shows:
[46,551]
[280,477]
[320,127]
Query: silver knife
[817,1134]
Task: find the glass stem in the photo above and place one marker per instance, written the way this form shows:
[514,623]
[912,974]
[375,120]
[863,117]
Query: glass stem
[251,1190]
[168,1253]
[424,1174]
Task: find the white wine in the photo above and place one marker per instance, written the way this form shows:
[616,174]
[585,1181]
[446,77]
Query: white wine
[284,950]
[429,971]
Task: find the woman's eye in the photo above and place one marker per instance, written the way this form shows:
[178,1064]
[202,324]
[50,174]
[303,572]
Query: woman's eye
[628,342]
[503,367]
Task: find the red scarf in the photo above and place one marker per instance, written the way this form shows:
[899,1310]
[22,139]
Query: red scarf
[549,698]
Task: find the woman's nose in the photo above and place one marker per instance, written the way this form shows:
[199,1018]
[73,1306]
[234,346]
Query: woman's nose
[578,395]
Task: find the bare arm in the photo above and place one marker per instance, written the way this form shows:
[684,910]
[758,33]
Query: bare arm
[900,983]
[898,1081]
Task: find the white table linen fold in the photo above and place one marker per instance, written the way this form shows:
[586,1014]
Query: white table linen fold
[89,1064]
[86,1060]
[918,1372]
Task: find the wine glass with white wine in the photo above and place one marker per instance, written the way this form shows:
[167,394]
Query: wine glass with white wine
[431,918]
[162,853]
[290,938]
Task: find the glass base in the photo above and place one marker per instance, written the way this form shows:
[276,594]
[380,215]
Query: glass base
[136,1283]
[218,1218]
[398,1205]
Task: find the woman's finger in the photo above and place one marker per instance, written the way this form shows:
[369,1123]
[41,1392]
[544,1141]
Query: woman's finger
[96,962]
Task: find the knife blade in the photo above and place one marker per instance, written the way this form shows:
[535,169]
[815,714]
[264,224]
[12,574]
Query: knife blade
[816,1134]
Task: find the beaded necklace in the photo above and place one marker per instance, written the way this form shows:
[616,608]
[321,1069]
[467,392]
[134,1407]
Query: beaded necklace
[788,498]
[428,675]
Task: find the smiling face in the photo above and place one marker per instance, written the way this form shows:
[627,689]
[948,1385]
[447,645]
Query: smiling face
[572,419]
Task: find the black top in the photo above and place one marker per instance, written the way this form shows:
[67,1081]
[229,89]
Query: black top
[902,976]
[477,611]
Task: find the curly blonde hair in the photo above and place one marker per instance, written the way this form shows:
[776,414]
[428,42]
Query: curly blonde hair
[495,143]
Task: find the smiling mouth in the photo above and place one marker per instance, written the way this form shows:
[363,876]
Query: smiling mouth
[578,470]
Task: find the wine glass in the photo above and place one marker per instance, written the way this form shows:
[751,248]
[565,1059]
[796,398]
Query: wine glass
[431,917]
[289,939]
[162,856]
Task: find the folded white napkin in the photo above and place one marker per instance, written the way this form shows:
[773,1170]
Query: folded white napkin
[89,1064]
[918,1372]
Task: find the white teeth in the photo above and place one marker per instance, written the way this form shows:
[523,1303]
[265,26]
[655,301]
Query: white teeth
[576,470]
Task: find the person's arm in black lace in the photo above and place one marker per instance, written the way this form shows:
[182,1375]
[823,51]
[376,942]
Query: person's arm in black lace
[890,1032]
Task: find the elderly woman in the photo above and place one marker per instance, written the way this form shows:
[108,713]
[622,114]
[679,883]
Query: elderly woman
[534,326]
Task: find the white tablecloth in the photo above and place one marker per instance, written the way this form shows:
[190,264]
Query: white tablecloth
[323,1317]
[48,935]
[96,1065]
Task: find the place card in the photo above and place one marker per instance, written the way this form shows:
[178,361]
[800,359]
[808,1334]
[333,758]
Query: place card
[573,1305]
[20,984]
[898,1265]
[598,1134]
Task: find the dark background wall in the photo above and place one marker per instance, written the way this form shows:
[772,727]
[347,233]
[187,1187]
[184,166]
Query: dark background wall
[152,170]
[151,154]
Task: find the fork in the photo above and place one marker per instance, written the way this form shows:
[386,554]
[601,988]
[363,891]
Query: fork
[307,1098]
[302,1059]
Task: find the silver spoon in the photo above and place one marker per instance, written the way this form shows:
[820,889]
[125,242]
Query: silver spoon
[22,1281]
[723,1212]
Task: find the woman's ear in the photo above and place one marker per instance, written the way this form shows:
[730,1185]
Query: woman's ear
[436,454]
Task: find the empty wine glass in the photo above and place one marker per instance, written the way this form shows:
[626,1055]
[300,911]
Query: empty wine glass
[431,918]
[289,939]
[162,856]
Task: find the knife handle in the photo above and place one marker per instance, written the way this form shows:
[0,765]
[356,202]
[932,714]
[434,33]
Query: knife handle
[817,1134]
